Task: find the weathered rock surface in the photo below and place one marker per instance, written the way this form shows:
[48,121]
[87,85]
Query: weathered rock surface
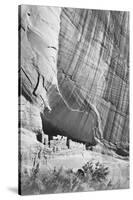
[74,73]
[39,28]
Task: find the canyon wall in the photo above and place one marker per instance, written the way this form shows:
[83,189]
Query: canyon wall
[93,69]
[74,74]
[38,33]
[38,46]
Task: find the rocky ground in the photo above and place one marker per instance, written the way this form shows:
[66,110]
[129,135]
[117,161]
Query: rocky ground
[76,157]
[59,157]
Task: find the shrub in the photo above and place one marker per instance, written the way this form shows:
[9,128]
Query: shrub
[95,171]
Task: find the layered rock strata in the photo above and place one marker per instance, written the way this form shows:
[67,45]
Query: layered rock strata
[38,41]
[39,28]
[74,73]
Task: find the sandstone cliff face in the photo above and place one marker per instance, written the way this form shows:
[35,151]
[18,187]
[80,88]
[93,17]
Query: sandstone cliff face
[38,36]
[74,73]
[39,29]
[95,69]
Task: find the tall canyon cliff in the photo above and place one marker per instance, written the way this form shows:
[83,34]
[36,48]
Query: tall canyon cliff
[74,74]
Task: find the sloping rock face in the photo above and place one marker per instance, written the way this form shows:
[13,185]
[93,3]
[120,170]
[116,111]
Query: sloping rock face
[74,73]
[38,36]
[39,28]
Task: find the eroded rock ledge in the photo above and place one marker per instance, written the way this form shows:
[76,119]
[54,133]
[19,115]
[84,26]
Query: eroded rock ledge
[74,74]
